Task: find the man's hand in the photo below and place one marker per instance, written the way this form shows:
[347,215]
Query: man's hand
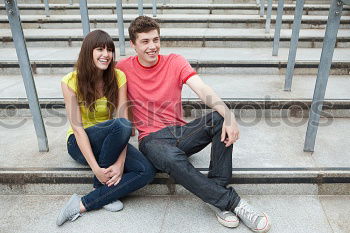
[230,132]
[116,172]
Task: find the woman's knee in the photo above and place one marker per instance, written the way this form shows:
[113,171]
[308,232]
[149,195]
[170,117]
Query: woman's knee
[122,125]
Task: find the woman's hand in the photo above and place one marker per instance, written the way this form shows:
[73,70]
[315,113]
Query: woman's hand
[102,175]
[116,172]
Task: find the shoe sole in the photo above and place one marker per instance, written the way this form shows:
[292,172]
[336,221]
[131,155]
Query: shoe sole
[229,224]
[63,210]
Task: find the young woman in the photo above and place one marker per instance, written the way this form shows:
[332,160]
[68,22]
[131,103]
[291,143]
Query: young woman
[93,94]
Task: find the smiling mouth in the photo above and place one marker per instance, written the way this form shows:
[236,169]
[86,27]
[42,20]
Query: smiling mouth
[103,61]
[152,53]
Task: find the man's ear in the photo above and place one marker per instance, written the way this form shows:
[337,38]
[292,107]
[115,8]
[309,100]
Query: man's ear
[132,44]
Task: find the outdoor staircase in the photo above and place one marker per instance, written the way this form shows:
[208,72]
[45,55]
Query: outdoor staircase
[225,41]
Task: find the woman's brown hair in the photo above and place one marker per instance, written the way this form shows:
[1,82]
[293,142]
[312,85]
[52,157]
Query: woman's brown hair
[87,72]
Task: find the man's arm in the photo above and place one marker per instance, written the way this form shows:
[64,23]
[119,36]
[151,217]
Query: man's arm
[230,131]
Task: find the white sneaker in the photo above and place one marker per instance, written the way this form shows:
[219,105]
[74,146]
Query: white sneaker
[226,218]
[255,220]
[114,206]
[70,211]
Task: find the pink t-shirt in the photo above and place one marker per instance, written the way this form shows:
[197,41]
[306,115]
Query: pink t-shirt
[155,92]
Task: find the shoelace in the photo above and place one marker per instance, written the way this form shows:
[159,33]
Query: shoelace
[74,217]
[246,211]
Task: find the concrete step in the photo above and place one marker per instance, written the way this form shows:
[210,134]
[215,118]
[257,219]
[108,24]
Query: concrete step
[169,1]
[248,95]
[215,9]
[186,37]
[60,60]
[264,157]
[173,20]
[171,214]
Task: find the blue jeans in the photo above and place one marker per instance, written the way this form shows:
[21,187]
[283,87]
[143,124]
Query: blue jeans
[108,139]
[169,148]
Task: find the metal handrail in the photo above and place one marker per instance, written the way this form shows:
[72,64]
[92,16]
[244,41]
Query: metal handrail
[293,44]
[84,14]
[278,26]
[268,17]
[27,73]
[324,67]
[120,22]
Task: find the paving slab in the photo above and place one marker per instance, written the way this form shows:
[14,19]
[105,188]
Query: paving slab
[337,209]
[166,214]
[38,214]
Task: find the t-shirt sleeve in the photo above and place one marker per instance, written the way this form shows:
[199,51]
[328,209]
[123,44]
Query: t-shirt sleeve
[121,77]
[71,81]
[185,69]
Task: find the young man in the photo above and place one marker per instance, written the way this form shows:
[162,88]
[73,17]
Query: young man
[154,88]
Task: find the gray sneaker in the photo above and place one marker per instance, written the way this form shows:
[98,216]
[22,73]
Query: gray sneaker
[226,218]
[257,221]
[114,206]
[70,211]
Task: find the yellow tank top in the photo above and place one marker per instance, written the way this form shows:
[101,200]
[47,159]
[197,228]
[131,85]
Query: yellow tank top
[101,113]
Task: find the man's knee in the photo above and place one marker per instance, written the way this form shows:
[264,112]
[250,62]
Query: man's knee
[217,117]
[163,156]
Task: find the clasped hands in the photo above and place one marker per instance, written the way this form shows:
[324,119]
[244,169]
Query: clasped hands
[111,175]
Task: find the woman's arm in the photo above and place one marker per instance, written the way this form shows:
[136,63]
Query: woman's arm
[122,108]
[74,117]
[116,170]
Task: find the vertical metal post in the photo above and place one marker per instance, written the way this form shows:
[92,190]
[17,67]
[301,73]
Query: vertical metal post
[257,2]
[71,2]
[293,44]
[27,75]
[268,16]
[84,14]
[140,7]
[278,26]
[120,22]
[262,8]
[47,8]
[323,73]
[154,8]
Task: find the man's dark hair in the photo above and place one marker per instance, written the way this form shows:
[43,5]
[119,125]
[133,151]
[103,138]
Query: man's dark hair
[142,24]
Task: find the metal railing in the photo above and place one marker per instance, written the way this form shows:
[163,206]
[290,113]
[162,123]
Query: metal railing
[333,23]
[27,73]
[330,37]
[324,67]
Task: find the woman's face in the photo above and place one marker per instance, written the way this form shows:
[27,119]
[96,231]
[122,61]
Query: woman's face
[102,57]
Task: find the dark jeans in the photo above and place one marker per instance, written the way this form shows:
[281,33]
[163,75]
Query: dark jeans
[169,148]
[108,139]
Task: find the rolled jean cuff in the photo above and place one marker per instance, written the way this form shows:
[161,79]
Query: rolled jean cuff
[235,203]
[85,204]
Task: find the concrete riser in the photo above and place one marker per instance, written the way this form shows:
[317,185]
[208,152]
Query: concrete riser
[101,25]
[229,43]
[169,1]
[162,189]
[169,11]
[276,116]
[343,70]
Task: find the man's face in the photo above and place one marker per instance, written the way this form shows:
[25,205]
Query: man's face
[147,46]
